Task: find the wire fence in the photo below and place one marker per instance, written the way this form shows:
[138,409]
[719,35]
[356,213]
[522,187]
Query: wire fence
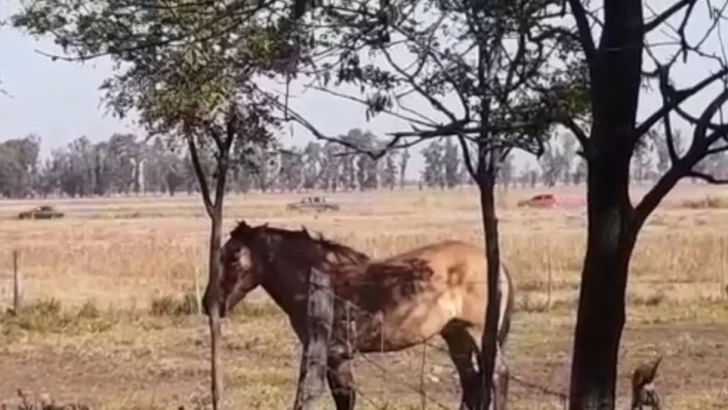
[427,384]
[329,313]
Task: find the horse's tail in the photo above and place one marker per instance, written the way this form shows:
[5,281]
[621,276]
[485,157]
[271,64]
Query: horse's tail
[507,302]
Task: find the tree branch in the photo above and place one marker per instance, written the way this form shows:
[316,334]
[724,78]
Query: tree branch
[578,132]
[684,166]
[706,177]
[204,188]
[654,23]
[672,98]
[585,35]
[466,157]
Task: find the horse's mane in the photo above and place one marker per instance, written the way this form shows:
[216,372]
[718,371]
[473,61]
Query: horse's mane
[242,230]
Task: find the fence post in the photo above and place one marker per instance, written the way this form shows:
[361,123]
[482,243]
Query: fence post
[502,376]
[319,322]
[17,283]
[198,298]
[723,286]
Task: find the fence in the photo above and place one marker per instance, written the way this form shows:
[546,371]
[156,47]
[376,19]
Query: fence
[323,309]
[17,283]
[327,310]
[324,314]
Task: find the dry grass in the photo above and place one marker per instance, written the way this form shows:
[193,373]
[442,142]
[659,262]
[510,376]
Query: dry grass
[111,319]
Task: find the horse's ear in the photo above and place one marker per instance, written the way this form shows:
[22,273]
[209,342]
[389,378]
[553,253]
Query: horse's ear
[305,231]
[241,229]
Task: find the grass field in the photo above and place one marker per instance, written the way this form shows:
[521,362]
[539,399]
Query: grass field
[108,299]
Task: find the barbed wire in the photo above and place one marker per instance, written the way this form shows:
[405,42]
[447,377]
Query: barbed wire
[541,388]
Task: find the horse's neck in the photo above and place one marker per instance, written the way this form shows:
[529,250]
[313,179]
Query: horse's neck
[286,289]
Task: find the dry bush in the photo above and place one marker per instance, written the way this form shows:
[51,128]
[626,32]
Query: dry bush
[708,202]
[49,316]
[41,402]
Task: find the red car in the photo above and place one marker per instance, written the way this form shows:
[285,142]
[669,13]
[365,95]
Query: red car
[539,201]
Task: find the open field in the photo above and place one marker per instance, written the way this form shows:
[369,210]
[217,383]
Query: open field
[108,322]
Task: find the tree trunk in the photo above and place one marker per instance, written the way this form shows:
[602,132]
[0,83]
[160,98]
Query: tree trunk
[214,313]
[214,210]
[611,237]
[492,253]
[615,70]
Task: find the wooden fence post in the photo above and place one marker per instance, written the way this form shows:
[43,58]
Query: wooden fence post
[198,298]
[17,283]
[319,320]
[502,376]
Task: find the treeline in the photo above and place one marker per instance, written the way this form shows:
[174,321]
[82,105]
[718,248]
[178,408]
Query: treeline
[125,164]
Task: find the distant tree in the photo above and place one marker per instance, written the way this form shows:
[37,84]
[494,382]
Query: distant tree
[19,171]
[507,171]
[433,174]
[451,162]
[388,175]
[403,161]
[557,159]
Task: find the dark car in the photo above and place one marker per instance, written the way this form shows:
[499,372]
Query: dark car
[41,212]
[315,203]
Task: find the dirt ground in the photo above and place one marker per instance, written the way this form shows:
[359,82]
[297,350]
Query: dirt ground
[116,352]
[154,363]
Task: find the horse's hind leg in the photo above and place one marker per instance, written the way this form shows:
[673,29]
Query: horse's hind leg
[501,371]
[462,351]
[341,382]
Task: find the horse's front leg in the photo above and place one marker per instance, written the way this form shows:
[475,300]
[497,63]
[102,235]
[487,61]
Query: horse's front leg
[341,382]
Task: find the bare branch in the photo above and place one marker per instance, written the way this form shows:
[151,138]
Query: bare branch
[670,140]
[298,118]
[683,166]
[587,40]
[707,177]
[364,102]
[657,21]
[578,132]
[466,157]
[672,98]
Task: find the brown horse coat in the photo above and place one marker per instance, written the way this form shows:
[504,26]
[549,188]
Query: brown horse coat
[382,305]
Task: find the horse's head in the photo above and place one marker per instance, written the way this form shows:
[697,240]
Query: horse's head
[242,260]
[254,254]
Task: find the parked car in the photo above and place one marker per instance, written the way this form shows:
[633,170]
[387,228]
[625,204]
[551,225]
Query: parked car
[539,201]
[315,203]
[41,212]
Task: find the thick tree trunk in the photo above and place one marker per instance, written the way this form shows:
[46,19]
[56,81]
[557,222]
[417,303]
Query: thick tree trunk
[615,69]
[610,241]
[492,254]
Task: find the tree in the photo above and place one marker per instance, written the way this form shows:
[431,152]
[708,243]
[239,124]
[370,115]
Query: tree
[188,71]
[617,73]
[433,175]
[19,166]
[485,72]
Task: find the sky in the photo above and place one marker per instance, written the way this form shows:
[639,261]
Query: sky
[60,100]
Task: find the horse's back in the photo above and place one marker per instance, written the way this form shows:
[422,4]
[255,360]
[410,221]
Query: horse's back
[420,291]
[443,250]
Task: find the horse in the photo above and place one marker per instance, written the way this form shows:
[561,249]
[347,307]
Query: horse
[391,303]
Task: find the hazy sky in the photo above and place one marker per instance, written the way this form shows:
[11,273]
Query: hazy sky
[60,101]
